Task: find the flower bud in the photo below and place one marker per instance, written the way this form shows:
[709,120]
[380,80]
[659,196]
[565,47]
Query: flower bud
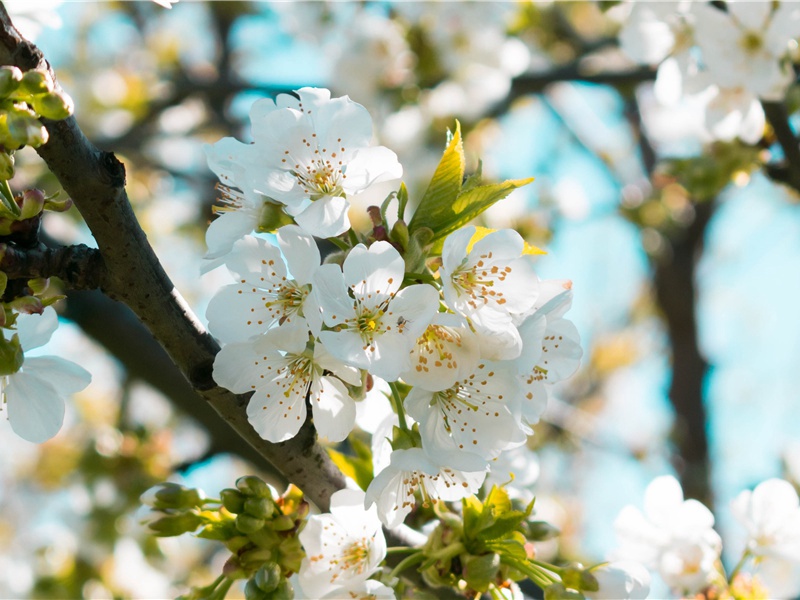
[6,165]
[284,591]
[9,80]
[261,508]
[11,356]
[481,571]
[399,234]
[268,577]
[36,82]
[251,485]
[25,129]
[540,531]
[282,523]
[253,592]
[232,500]
[247,524]
[32,203]
[557,591]
[172,495]
[173,525]
[55,105]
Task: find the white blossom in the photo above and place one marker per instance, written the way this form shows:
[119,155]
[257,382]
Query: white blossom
[771,515]
[446,352]
[310,154]
[343,547]
[479,414]
[673,535]
[489,281]
[35,395]
[376,328]
[451,476]
[282,372]
[265,295]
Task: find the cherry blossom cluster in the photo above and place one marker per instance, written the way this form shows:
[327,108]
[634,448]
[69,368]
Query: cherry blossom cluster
[468,339]
[729,58]
[676,538]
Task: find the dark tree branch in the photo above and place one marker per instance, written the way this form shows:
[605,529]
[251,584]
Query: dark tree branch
[79,267]
[96,182]
[789,172]
[676,293]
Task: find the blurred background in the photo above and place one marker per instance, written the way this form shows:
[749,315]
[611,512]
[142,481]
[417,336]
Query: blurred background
[682,249]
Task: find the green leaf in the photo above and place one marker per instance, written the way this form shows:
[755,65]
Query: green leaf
[503,525]
[358,467]
[472,203]
[434,208]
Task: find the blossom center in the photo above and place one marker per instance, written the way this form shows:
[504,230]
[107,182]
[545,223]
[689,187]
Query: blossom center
[323,173]
[751,42]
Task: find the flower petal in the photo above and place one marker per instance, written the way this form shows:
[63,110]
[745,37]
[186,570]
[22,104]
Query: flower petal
[35,408]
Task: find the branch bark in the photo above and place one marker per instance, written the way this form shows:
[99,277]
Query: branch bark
[96,182]
[789,172]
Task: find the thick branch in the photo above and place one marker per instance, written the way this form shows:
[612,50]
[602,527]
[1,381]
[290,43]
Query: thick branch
[96,182]
[676,292]
[79,267]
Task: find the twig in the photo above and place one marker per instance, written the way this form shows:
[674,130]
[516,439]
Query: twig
[778,118]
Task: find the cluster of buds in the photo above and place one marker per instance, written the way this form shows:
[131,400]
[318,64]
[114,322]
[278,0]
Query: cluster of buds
[488,546]
[24,99]
[259,528]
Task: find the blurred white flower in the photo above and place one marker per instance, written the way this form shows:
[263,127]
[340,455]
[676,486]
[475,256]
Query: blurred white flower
[771,515]
[621,580]
[673,535]
[30,17]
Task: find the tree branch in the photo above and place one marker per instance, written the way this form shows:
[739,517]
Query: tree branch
[96,182]
[79,267]
[778,118]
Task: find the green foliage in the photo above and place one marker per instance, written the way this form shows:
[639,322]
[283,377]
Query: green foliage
[11,356]
[450,202]
[357,466]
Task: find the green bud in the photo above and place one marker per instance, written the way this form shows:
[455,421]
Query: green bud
[557,591]
[232,500]
[247,524]
[399,234]
[172,495]
[251,485]
[268,577]
[283,523]
[9,80]
[273,217]
[481,571]
[32,204]
[417,250]
[589,582]
[284,591]
[233,570]
[6,165]
[55,105]
[571,576]
[173,525]
[255,556]
[261,508]
[540,531]
[11,356]
[25,129]
[253,592]
[291,554]
[36,82]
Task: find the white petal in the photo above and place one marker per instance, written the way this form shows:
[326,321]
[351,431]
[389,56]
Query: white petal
[301,252]
[331,293]
[36,330]
[275,416]
[254,259]
[235,367]
[226,230]
[35,408]
[370,166]
[416,305]
[374,274]
[64,375]
[334,410]
[326,217]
